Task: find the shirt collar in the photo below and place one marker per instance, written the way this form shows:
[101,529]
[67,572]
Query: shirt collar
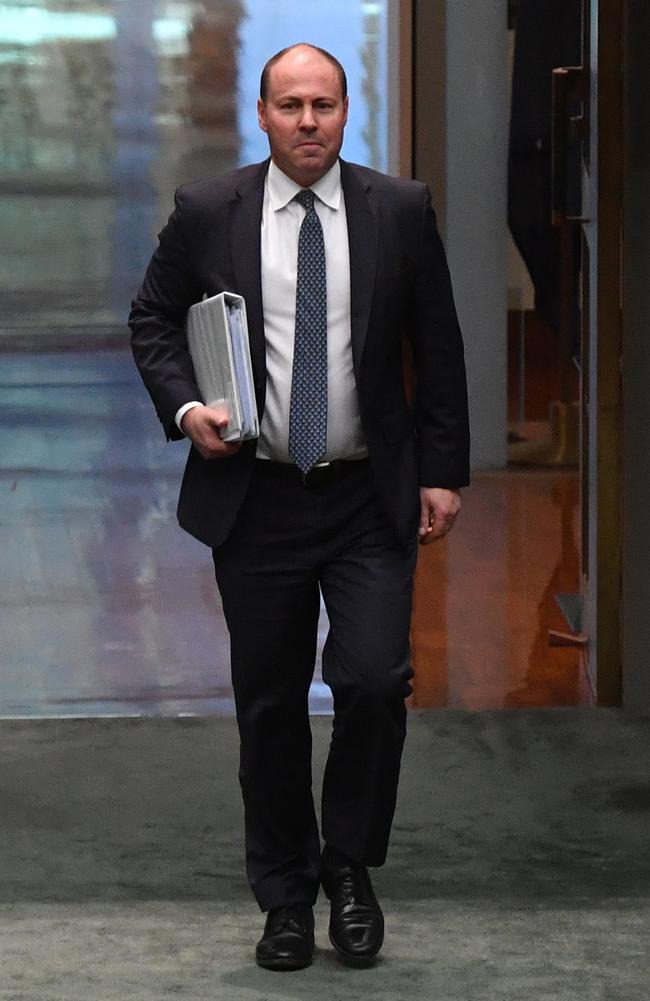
[282,189]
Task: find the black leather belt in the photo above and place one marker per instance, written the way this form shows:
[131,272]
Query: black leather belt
[318,476]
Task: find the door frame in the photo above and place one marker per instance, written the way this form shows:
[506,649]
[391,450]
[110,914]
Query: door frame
[602,467]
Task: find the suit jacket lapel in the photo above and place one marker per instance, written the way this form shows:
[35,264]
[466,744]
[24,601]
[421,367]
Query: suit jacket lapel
[245,227]
[362,211]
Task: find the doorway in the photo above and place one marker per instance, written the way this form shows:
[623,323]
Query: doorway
[563,394]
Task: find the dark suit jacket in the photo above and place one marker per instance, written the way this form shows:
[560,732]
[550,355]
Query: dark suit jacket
[399,288]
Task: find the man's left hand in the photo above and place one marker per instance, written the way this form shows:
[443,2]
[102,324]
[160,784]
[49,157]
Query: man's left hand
[438,510]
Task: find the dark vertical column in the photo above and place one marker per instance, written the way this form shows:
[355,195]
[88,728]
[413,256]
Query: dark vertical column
[636,360]
[430,100]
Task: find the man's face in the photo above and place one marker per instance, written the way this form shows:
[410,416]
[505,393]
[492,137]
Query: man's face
[304,115]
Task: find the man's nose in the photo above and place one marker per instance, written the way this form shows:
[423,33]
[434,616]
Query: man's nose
[307,120]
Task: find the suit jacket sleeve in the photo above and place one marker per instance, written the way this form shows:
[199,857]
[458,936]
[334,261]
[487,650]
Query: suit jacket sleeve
[440,405]
[157,321]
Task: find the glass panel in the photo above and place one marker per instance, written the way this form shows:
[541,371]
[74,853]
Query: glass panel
[106,105]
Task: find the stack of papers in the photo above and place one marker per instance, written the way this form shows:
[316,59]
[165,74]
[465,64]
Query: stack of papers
[217,337]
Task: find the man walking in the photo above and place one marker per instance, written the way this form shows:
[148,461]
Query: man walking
[337,264]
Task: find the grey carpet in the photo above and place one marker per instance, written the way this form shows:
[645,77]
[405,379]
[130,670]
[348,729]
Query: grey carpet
[519,865]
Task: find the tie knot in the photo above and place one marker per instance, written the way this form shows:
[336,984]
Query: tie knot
[306,198]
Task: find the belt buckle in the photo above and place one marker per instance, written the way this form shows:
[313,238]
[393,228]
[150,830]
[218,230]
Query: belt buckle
[321,473]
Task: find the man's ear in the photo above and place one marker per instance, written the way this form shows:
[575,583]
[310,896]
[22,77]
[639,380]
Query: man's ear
[345,110]
[261,115]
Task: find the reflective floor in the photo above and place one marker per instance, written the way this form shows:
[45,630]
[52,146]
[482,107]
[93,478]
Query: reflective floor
[106,607]
[485,598]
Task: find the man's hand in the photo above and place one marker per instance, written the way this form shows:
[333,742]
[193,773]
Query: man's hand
[202,426]
[438,510]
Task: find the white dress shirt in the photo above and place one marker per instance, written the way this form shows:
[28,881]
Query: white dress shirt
[281,221]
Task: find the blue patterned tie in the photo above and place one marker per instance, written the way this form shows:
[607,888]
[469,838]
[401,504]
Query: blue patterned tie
[308,409]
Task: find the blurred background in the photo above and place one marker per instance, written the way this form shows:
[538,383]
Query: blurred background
[105,107]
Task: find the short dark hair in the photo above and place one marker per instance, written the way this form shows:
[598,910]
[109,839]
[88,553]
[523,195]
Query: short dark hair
[264,80]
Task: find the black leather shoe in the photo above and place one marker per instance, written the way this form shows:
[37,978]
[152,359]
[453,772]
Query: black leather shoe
[356,923]
[288,939]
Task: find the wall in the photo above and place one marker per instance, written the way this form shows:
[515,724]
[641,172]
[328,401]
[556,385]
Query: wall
[461,77]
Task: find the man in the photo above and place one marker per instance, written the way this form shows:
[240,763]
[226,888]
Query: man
[337,263]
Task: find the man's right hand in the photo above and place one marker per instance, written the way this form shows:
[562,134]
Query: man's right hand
[202,426]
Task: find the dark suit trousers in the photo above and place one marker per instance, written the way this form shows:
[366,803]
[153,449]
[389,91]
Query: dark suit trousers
[287,541]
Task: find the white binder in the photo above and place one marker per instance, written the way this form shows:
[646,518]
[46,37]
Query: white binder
[217,337]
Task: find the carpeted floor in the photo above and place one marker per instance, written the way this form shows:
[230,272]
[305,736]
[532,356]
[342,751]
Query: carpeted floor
[519,867]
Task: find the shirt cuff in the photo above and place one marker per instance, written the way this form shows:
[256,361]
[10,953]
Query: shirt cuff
[180,413]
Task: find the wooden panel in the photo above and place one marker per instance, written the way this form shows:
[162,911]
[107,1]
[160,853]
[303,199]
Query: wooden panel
[605,338]
[430,99]
[406,88]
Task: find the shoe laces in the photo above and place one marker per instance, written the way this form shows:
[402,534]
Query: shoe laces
[349,887]
[288,919]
